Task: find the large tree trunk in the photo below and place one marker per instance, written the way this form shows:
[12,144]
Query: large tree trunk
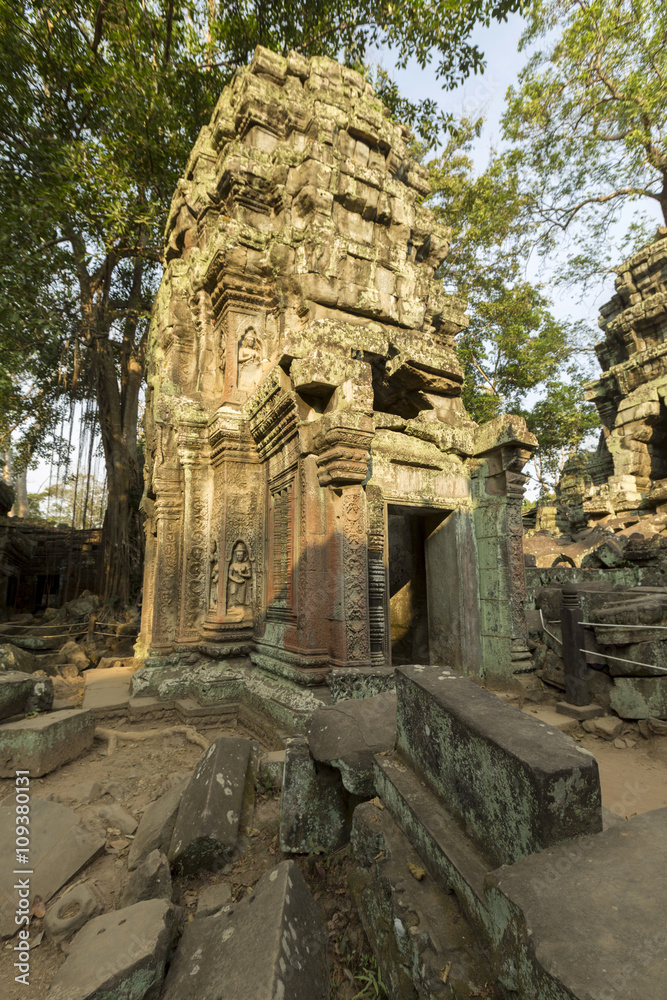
[21,486]
[117,371]
[122,537]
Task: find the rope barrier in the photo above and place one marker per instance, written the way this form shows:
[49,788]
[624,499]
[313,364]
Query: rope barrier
[621,659]
[616,625]
[61,624]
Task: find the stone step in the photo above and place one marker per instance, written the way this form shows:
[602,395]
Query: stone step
[107,692]
[43,743]
[586,919]
[208,818]
[273,943]
[516,784]
[452,859]
[416,929]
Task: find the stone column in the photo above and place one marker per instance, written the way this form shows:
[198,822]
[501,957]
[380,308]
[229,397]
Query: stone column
[521,658]
[502,448]
[168,514]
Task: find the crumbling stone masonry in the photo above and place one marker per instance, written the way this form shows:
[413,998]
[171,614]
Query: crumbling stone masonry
[316,495]
[630,393]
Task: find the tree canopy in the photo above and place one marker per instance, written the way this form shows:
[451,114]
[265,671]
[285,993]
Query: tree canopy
[588,125]
[101,101]
[514,348]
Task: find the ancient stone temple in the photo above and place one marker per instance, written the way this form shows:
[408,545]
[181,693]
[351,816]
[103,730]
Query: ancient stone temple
[630,393]
[316,495]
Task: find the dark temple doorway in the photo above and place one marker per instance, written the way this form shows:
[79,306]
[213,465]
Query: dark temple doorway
[409,558]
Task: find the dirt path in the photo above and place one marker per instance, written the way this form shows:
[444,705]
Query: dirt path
[133,776]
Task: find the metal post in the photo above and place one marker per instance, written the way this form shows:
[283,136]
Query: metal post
[576,670]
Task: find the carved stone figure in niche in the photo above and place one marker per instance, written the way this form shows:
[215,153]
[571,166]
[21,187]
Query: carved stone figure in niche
[250,359]
[238,578]
[214,576]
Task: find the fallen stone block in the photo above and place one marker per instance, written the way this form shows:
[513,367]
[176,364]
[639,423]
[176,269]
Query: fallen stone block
[586,919]
[60,846]
[348,734]
[15,692]
[315,810]
[652,654]
[12,658]
[516,784]
[272,944]
[579,712]
[115,816]
[271,767]
[213,898]
[360,682]
[640,697]
[149,880]
[118,956]
[68,914]
[42,744]
[608,726]
[210,811]
[157,825]
[124,662]
[74,653]
[41,699]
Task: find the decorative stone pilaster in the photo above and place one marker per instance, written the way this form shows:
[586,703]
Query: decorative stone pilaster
[351,536]
[503,446]
[515,482]
[166,603]
[194,559]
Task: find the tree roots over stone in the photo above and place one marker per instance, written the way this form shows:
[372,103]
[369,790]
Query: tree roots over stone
[114,735]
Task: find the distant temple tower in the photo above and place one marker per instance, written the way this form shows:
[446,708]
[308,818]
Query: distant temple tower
[630,393]
[316,495]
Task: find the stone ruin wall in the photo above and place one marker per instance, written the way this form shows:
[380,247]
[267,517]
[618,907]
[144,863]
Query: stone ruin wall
[302,376]
[630,467]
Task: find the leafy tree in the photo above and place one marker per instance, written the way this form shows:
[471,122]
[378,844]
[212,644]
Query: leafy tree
[589,124]
[100,103]
[562,422]
[513,344]
[79,502]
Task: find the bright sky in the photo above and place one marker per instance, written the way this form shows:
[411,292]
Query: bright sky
[485,95]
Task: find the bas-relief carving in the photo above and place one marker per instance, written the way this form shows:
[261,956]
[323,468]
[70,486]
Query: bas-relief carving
[239,575]
[279,318]
[249,360]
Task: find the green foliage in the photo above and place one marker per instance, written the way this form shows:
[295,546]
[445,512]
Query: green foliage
[513,344]
[589,125]
[562,422]
[373,987]
[79,502]
[100,104]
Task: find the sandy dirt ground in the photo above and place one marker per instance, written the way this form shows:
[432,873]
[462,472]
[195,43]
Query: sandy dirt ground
[134,775]
[633,778]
